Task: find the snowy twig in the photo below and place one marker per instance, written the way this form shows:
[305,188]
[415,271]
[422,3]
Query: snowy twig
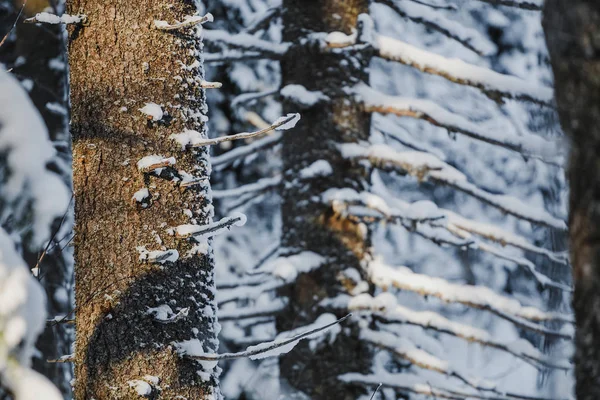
[433,321]
[188,22]
[274,308]
[192,140]
[264,20]
[405,349]
[65,19]
[150,163]
[421,14]
[236,55]
[246,42]
[479,297]
[534,5]
[444,6]
[423,388]
[260,186]
[433,113]
[63,359]
[266,347]
[495,85]
[427,167]
[210,85]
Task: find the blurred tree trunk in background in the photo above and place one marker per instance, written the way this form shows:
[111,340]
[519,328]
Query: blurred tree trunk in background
[36,54]
[308,225]
[134,307]
[572,31]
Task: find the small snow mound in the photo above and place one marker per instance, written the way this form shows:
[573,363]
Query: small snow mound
[153,111]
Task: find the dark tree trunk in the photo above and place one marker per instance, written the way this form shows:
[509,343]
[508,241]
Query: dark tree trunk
[118,63]
[307,224]
[572,31]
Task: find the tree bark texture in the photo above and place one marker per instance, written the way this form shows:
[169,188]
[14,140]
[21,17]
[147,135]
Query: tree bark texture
[118,63]
[308,225]
[572,30]
[37,54]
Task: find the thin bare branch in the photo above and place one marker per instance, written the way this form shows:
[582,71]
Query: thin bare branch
[261,349]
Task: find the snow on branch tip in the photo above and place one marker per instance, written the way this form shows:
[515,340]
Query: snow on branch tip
[187,22]
[191,138]
[52,19]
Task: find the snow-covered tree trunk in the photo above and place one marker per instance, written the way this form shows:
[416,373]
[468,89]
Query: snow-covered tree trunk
[144,293]
[572,30]
[312,164]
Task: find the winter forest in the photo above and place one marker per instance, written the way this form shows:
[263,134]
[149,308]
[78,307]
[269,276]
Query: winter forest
[299,199]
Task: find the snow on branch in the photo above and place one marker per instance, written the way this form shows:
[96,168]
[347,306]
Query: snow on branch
[386,308]
[454,30]
[249,292]
[262,185]
[188,22]
[196,139]
[65,19]
[264,20]
[369,207]
[494,84]
[411,384]
[246,42]
[224,160]
[153,162]
[534,5]
[289,267]
[404,348]
[480,297]
[529,146]
[210,230]
[427,167]
[263,350]
[236,314]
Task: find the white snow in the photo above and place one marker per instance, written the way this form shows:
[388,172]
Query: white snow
[157,256]
[141,387]
[300,95]
[287,122]
[316,169]
[154,161]
[461,72]
[48,18]
[141,194]
[153,111]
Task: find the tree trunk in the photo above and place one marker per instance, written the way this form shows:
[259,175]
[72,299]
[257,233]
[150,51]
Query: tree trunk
[307,224]
[119,62]
[572,31]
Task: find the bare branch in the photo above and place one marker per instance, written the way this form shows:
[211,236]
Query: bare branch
[197,231]
[195,139]
[264,348]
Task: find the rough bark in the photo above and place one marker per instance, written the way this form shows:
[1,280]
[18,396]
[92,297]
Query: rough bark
[118,63]
[35,55]
[307,224]
[572,30]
